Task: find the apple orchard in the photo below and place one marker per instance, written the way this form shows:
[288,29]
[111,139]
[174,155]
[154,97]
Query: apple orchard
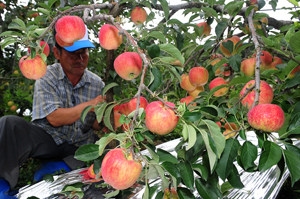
[209,85]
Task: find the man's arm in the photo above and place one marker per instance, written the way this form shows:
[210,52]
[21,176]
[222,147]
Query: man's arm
[65,116]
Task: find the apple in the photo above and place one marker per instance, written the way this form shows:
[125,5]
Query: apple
[186,83]
[226,71]
[266,59]
[70,28]
[172,195]
[138,15]
[217,82]
[276,61]
[194,93]
[116,119]
[61,42]
[248,67]
[132,103]
[10,103]
[13,108]
[295,70]
[46,50]
[109,37]
[91,172]
[160,119]
[198,76]
[229,127]
[34,15]
[266,117]
[119,169]
[235,40]
[206,28]
[265,94]
[16,72]
[34,68]
[187,100]
[126,127]
[116,108]
[124,109]
[128,65]
[2,6]
[215,59]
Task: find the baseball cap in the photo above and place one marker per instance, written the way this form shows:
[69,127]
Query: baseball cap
[82,43]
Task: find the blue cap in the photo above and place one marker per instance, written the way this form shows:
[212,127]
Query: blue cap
[82,43]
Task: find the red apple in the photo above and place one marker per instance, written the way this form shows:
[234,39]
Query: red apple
[34,68]
[126,127]
[217,82]
[61,42]
[248,67]
[34,15]
[265,95]
[187,100]
[13,108]
[235,40]
[206,28]
[186,83]
[119,169]
[70,28]
[46,50]
[124,109]
[128,65]
[160,119]
[138,15]
[116,119]
[2,6]
[266,117]
[198,76]
[91,172]
[292,74]
[109,37]
[266,60]
[132,103]
[226,70]
[276,61]
[194,93]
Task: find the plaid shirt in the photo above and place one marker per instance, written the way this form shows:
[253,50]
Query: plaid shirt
[54,91]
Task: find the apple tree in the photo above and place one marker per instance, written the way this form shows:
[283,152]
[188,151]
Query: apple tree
[220,70]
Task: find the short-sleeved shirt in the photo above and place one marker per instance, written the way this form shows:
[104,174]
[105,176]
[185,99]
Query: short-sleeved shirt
[54,91]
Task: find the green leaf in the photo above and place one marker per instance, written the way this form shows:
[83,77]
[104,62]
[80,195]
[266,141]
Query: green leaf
[106,119]
[172,50]
[201,170]
[87,152]
[210,12]
[248,155]
[186,172]
[146,192]
[161,172]
[295,42]
[166,156]
[192,116]
[185,193]
[107,87]
[185,133]
[294,2]
[269,156]
[174,21]
[211,154]
[225,164]
[157,35]
[10,33]
[220,28]
[239,80]
[192,137]
[243,47]
[173,171]
[165,7]
[44,6]
[154,156]
[104,141]
[212,91]
[51,2]
[210,110]
[206,190]
[44,11]
[174,71]
[157,79]
[99,111]
[84,112]
[153,51]
[111,194]
[235,62]
[292,82]
[234,178]
[292,161]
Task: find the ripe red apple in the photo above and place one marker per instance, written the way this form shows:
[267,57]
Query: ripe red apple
[292,74]
[128,65]
[13,108]
[138,15]
[34,68]
[119,169]
[248,67]
[229,127]
[266,117]
[186,83]
[198,76]
[235,40]
[116,119]
[266,60]
[132,103]
[188,100]
[109,37]
[217,82]
[2,6]
[194,93]
[61,42]
[206,28]
[276,61]
[70,28]
[46,50]
[91,172]
[124,109]
[160,119]
[265,95]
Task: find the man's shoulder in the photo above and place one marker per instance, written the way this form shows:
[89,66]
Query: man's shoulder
[93,76]
[53,70]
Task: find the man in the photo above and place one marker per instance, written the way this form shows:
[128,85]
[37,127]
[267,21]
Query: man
[56,129]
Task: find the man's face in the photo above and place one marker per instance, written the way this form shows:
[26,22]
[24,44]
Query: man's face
[74,63]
